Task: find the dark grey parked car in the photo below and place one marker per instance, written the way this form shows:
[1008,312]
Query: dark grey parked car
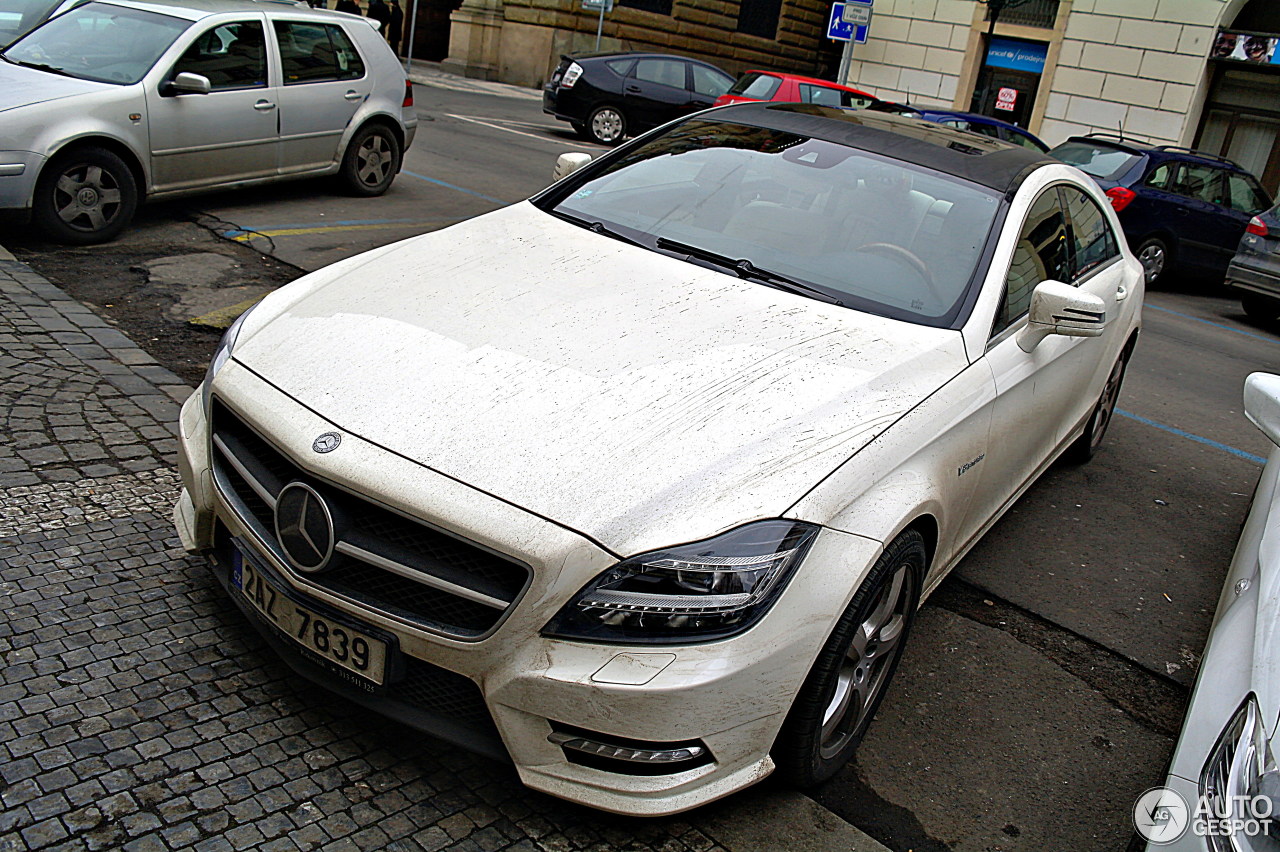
[1254,272]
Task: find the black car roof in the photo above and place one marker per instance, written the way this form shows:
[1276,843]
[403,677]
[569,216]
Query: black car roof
[998,165]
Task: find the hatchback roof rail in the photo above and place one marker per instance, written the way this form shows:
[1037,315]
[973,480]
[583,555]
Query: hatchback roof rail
[1184,150]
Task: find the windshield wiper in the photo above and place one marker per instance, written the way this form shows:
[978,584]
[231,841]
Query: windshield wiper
[597,227]
[744,268]
[39,67]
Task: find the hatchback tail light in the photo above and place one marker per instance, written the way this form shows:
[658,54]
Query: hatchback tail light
[1120,197]
[571,75]
[1257,226]
[408,94]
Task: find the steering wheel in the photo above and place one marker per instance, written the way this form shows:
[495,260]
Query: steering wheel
[910,258]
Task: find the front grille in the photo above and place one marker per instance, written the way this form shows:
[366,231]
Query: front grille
[385,561]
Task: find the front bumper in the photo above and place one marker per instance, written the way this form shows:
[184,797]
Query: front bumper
[507,689]
[18,173]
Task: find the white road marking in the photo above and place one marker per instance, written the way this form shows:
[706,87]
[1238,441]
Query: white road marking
[490,123]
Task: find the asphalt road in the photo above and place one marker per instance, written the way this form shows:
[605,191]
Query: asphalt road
[1043,687]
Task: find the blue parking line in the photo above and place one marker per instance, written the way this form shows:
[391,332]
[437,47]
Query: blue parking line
[1214,324]
[1208,442]
[453,187]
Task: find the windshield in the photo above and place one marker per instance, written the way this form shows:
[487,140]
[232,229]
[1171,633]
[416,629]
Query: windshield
[1100,161]
[22,16]
[97,41]
[756,85]
[873,233]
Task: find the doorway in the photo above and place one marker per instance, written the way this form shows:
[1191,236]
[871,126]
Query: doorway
[1242,121]
[1009,79]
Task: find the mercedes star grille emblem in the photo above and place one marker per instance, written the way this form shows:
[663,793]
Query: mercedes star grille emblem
[304,527]
[326,443]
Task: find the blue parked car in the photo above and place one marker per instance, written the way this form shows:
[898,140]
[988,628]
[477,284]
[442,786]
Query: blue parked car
[971,121]
[1180,209]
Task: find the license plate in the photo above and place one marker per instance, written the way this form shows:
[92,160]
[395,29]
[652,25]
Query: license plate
[336,643]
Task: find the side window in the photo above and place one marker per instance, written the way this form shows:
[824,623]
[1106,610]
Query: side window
[1092,241]
[1161,176]
[1041,255]
[621,66]
[666,72]
[1203,183]
[709,82]
[232,56]
[985,129]
[1244,194]
[849,99]
[316,53]
[823,95]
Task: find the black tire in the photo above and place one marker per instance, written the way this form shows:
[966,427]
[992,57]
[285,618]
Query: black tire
[1157,261]
[85,196]
[372,161]
[607,125]
[1086,446]
[1260,308]
[830,714]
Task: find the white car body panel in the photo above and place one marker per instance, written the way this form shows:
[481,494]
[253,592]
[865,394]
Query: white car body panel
[701,421]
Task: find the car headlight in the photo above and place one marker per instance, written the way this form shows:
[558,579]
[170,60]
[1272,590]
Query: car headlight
[694,592]
[1240,782]
[220,357]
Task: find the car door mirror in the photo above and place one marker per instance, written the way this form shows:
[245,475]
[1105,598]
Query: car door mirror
[1058,308]
[187,83]
[567,164]
[1262,403]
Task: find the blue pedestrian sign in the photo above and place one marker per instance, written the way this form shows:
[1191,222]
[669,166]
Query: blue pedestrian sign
[838,30]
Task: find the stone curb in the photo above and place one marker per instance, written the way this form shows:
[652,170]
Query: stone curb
[431,74]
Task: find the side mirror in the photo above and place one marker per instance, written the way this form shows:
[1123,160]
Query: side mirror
[1262,403]
[1058,308]
[187,83]
[567,164]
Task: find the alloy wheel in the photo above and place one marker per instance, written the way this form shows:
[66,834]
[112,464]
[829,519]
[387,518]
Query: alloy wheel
[373,160]
[868,661]
[87,197]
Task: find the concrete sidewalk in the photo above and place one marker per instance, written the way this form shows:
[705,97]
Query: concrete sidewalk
[139,711]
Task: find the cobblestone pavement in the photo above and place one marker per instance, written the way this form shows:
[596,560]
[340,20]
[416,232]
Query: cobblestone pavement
[138,710]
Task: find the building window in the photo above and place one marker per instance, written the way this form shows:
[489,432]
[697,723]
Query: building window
[759,17]
[1030,13]
[662,7]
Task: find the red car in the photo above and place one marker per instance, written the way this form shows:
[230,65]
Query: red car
[792,88]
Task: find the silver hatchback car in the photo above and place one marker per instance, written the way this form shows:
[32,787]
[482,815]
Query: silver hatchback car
[116,101]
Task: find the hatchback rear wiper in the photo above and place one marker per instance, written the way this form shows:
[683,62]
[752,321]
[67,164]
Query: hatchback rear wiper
[597,227]
[744,268]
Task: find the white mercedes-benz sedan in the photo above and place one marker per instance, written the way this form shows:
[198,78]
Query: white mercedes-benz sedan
[639,483]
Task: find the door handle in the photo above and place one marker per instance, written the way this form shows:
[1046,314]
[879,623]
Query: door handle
[633,88]
[1122,293]
[353,95]
[263,106]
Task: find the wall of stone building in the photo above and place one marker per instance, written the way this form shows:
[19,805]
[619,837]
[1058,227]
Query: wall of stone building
[534,33]
[1136,64]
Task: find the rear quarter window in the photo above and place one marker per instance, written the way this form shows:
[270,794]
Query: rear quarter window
[758,86]
[1100,161]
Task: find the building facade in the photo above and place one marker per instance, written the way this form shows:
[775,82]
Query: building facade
[521,41]
[1195,73]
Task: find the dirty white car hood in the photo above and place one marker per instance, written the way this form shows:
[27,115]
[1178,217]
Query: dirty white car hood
[634,397]
[26,86]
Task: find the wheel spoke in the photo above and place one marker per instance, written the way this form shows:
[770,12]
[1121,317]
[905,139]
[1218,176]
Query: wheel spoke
[93,176]
[69,185]
[70,211]
[110,196]
[886,604]
[96,219]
